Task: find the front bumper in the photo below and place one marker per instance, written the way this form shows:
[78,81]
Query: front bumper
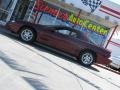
[103,60]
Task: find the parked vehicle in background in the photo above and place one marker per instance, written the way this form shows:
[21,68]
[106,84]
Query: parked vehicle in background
[63,38]
[115,62]
[114,47]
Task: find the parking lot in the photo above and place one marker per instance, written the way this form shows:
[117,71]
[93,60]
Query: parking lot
[35,67]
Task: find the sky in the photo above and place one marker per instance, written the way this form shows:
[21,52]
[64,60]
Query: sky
[116,1]
[76,2]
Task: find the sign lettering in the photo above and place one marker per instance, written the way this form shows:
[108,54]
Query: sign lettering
[65,16]
[88,24]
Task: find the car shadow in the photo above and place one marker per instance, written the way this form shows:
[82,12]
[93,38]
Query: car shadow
[44,48]
[16,66]
[36,83]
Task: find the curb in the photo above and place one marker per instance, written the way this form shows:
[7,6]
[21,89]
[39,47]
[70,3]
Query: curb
[108,68]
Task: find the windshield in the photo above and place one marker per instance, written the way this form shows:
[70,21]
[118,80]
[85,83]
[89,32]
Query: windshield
[83,37]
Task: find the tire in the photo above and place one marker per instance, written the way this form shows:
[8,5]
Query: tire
[27,35]
[87,58]
[119,69]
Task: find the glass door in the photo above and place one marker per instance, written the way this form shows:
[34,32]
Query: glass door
[20,10]
[6,9]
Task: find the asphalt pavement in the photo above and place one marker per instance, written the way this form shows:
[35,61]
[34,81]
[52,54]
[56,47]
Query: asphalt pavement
[35,67]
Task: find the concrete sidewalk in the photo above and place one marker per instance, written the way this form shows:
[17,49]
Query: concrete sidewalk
[10,80]
[41,77]
[29,67]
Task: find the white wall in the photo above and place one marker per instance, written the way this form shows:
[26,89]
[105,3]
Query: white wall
[111,5]
[115,49]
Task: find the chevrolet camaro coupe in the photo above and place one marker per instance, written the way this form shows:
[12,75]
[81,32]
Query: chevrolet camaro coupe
[65,39]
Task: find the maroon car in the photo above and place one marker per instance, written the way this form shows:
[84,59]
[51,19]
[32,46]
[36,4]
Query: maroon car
[63,38]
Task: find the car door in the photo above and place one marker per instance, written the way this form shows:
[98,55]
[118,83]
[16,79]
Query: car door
[43,36]
[69,41]
[74,45]
[59,38]
[53,37]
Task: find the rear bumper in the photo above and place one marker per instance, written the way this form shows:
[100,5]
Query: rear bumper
[11,26]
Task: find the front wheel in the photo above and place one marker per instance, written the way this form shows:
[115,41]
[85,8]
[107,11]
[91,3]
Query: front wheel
[87,58]
[27,35]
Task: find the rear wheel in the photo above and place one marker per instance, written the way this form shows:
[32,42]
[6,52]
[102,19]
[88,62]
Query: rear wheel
[87,58]
[27,35]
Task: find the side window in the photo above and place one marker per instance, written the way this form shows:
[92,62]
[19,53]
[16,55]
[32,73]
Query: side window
[73,34]
[64,32]
[68,32]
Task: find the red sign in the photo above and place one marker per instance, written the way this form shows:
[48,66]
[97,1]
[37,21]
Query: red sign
[42,6]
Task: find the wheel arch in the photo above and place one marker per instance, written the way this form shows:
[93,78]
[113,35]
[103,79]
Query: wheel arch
[30,27]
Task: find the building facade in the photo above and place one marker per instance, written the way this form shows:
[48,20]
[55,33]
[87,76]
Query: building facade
[13,9]
[108,10]
[6,9]
[54,12]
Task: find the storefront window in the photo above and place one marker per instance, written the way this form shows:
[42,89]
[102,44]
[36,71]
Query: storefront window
[5,6]
[29,11]
[47,19]
[22,10]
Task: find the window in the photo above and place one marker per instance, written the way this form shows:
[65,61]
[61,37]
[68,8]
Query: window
[6,4]
[73,34]
[68,32]
[65,32]
[107,17]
